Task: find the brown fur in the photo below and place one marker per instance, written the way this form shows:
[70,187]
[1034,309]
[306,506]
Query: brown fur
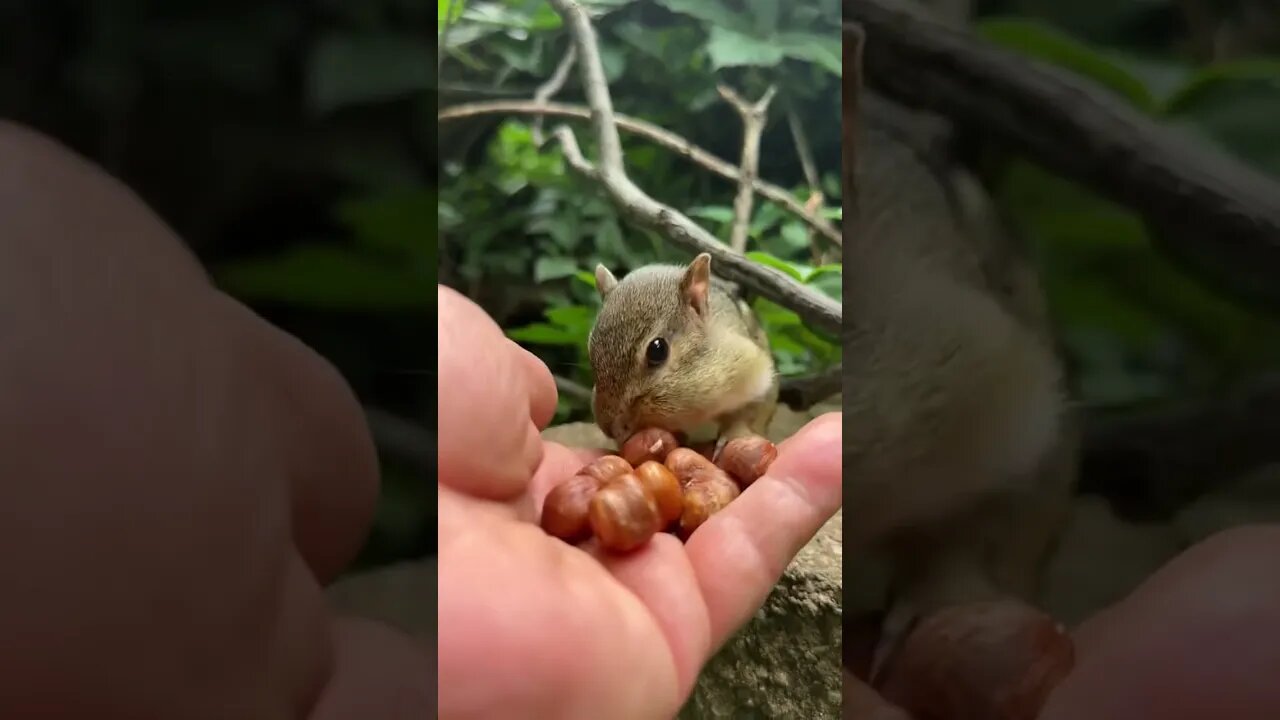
[712,356]
[959,455]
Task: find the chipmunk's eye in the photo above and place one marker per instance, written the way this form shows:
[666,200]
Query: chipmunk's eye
[656,353]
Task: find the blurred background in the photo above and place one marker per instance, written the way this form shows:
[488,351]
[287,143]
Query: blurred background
[521,234]
[291,145]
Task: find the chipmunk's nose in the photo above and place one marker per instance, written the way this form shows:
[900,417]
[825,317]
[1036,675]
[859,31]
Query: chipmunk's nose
[620,429]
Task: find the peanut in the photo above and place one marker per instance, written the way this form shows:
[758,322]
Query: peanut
[648,444]
[624,514]
[747,458]
[564,512]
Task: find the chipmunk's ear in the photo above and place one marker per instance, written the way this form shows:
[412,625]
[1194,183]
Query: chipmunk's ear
[605,281]
[695,286]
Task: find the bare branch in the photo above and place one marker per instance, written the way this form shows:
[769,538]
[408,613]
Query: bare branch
[1151,463]
[754,118]
[573,153]
[572,389]
[659,136]
[1217,217]
[816,200]
[819,311]
[802,393]
[553,85]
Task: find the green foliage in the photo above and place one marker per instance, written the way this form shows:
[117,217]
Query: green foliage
[533,231]
[1137,327]
[387,267]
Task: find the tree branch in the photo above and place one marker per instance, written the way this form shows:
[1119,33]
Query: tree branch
[547,90]
[817,310]
[754,117]
[1218,218]
[569,388]
[802,393]
[1151,463]
[816,199]
[659,136]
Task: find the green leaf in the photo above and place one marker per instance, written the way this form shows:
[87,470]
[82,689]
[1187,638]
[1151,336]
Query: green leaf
[714,213]
[775,262]
[795,236]
[1201,86]
[764,16]
[543,334]
[448,12]
[822,50]
[1041,42]
[732,49]
[573,318]
[331,278]
[712,12]
[586,277]
[553,268]
[1236,110]
[354,70]
[396,221]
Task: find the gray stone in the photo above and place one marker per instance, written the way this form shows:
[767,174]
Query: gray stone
[785,663]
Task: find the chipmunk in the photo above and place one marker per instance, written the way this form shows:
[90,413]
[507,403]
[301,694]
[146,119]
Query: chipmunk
[959,452]
[676,348]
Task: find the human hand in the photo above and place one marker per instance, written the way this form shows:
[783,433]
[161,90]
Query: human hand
[533,627]
[1198,640]
[179,479]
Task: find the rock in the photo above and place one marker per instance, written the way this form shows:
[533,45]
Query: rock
[786,662]
[1100,559]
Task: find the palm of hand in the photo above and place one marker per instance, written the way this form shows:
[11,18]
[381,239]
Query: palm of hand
[533,627]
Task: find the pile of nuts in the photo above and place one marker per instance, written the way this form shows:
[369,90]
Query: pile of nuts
[654,485]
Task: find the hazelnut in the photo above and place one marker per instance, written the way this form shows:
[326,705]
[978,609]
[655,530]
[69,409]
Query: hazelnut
[648,444]
[747,458]
[684,461]
[606,468]
[707,491]
[564,512]
[994,660]
[624,514]
[662,483]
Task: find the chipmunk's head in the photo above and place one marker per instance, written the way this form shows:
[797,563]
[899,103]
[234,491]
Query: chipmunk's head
[661,354]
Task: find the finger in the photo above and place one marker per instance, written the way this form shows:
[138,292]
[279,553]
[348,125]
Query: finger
[741,551]
[488,444]
[662,577]
[330,459]
[559,463]
[542,387]
[1198,640]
